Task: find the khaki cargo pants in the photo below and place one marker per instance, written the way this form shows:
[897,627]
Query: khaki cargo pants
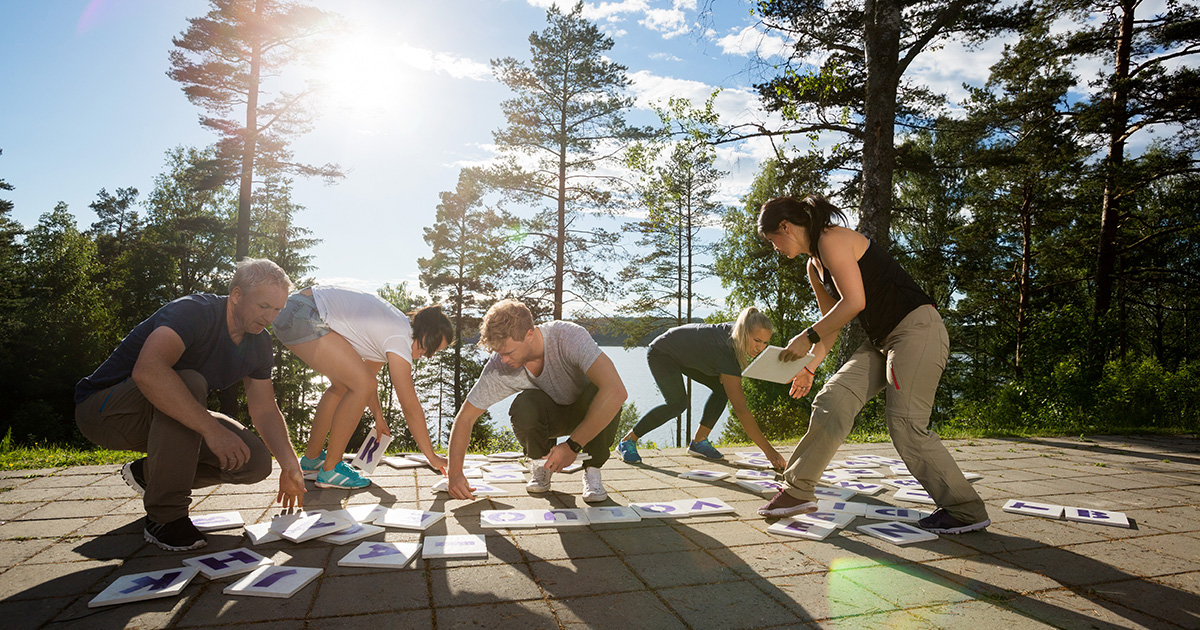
[177,459]
[908,368]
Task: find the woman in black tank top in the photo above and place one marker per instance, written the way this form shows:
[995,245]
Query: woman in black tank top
[904,356]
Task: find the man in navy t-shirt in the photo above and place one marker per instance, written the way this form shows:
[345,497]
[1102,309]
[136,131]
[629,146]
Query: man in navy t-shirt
[151,396]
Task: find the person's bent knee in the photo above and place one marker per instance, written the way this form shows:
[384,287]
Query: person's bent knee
[196,384]
[259,466]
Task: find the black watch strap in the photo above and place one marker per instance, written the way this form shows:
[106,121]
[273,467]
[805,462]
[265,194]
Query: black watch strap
[812,335]
[574,446]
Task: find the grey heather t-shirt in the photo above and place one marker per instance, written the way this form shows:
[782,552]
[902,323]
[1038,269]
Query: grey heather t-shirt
[570,352]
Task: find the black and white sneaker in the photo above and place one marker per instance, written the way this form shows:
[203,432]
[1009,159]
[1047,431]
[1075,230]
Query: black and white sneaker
[134,474]
[940,522]
[178,535]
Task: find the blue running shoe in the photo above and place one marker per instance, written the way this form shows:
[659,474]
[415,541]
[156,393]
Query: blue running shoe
[628,452]
[310,467]
[342,476]
[704,449]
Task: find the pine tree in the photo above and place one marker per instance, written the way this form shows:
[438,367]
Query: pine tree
[565,121]
[223,60]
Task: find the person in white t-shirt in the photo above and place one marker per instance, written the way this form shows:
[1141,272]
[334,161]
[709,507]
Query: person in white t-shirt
[565,386]
[348,336]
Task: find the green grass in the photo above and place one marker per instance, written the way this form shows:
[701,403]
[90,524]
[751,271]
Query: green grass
[14,457]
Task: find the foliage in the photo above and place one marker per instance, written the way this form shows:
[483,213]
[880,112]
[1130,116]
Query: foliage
[565,121]
[39,455]
[223,60]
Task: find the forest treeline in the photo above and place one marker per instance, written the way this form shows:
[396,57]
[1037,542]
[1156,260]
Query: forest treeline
[1052,216]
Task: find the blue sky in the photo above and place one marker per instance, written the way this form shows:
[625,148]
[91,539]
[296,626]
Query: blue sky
[88,104]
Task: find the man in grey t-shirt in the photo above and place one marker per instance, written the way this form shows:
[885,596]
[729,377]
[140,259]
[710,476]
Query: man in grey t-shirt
[565,385]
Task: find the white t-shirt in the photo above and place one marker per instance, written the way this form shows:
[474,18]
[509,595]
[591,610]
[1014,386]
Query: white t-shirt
[569,353]
[371,325]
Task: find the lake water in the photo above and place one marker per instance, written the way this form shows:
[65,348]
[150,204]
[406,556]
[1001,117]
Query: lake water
[643,392]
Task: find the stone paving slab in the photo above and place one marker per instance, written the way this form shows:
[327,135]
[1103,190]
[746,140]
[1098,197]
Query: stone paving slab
[66,533]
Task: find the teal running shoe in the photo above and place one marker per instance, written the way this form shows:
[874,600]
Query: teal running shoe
[628,451]
[704,449]
[342,476]
[310,467]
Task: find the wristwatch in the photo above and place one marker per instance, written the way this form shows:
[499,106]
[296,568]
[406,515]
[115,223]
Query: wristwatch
[574,446]
[812,335]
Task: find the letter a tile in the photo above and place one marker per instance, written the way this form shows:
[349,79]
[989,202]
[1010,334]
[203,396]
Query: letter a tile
[382,554]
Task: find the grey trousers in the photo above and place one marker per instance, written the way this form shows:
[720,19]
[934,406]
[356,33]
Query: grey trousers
[908,368]
[537,420]
[177,459]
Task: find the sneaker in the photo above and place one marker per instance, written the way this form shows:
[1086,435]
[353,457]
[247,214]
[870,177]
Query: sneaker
[312,467]
[784,505]
[541,477]
[940,522]
[704,449]
[342,476]
[134,474]
[178,535]
[627,449]
[593,487]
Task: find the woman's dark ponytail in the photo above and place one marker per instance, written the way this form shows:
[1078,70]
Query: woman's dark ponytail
[814,213]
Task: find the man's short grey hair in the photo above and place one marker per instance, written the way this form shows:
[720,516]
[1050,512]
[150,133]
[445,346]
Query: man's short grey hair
[252,272]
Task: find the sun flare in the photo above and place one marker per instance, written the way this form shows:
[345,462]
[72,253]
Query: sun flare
[363,82]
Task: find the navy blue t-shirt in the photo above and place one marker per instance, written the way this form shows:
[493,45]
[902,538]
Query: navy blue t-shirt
[199,320]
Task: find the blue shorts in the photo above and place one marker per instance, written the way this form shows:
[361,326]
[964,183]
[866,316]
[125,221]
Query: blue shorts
[299,321]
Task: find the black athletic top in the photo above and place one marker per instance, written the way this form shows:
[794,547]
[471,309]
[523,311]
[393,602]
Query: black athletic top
[891,293]
[706,348]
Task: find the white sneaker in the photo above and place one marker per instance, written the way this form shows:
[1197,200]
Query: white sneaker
[593,487]
[541,477]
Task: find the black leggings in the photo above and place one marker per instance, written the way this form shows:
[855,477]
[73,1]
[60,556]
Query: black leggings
[668,374]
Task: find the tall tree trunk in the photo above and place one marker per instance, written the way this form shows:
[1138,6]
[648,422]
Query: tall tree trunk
[1025,283]
[249,143]
[882,50]
[1110,213]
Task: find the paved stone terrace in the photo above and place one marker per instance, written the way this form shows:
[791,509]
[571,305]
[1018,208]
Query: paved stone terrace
[67,533]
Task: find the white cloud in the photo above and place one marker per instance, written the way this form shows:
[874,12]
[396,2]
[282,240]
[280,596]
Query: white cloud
[670,22]
[660,56]
[443,63]
[749,41]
